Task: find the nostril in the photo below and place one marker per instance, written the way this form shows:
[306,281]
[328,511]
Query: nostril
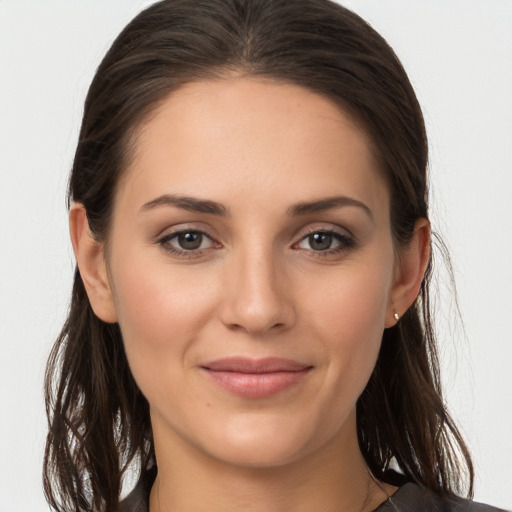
[235,327]
[254,328]
[255,307]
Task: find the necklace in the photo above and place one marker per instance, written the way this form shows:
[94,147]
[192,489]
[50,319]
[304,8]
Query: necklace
[381,487]
[377,483]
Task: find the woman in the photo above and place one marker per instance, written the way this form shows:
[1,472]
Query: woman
[250,317]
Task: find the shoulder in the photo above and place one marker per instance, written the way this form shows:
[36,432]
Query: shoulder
[411,497]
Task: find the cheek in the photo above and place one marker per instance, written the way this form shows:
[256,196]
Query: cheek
[160,312]
[350,302]
[348,315]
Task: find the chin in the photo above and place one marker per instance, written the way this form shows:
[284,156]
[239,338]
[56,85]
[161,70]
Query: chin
[263,441]
[260,452]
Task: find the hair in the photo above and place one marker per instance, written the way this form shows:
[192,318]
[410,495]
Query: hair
[98,418]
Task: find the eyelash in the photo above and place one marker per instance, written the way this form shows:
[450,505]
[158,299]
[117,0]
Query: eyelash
[164,242]
[346,242]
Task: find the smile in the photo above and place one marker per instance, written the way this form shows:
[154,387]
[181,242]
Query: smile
[256,378]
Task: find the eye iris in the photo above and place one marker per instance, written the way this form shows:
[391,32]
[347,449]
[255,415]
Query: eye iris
[320,241]
[191,240]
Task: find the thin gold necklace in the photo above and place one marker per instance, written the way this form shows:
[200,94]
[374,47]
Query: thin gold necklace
[379,485]
[382,488]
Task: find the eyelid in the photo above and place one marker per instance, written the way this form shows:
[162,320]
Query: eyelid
[345,238]
[179,228]
[343,235]
[175,234]
[166,235]
[325,228]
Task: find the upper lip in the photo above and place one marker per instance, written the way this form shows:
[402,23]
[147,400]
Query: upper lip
[251,365]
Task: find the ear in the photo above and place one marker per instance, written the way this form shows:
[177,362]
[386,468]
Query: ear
[89,254]
[410,269]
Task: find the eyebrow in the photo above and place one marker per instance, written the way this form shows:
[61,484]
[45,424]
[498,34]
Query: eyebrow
[206,206]
[187,203]
[327,204]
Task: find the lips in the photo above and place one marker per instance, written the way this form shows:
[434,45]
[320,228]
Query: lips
[255,378]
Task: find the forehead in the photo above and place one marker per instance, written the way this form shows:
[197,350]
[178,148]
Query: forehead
[256,139]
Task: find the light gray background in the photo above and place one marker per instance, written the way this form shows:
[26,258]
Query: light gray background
[459,57]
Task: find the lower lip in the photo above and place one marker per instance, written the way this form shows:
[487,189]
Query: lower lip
[256,385]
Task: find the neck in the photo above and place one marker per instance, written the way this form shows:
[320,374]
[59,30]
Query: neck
[333,478]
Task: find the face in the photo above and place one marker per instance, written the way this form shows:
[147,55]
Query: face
[252,267]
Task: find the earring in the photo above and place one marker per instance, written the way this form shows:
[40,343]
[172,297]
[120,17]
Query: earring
[397,316]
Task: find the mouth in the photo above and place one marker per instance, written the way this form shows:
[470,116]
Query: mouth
[256,378]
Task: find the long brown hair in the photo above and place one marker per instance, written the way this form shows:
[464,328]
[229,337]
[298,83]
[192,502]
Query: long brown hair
[98,418]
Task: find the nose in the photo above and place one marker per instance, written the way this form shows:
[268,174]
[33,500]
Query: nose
[256,298]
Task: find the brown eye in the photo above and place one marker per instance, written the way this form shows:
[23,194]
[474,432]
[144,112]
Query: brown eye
[320,241]
[190,240]
[328,242]
[187,241]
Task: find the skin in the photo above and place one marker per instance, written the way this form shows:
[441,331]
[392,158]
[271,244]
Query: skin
[257,287]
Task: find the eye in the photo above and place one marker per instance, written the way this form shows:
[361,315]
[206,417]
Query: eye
[186,241]
[326,241]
